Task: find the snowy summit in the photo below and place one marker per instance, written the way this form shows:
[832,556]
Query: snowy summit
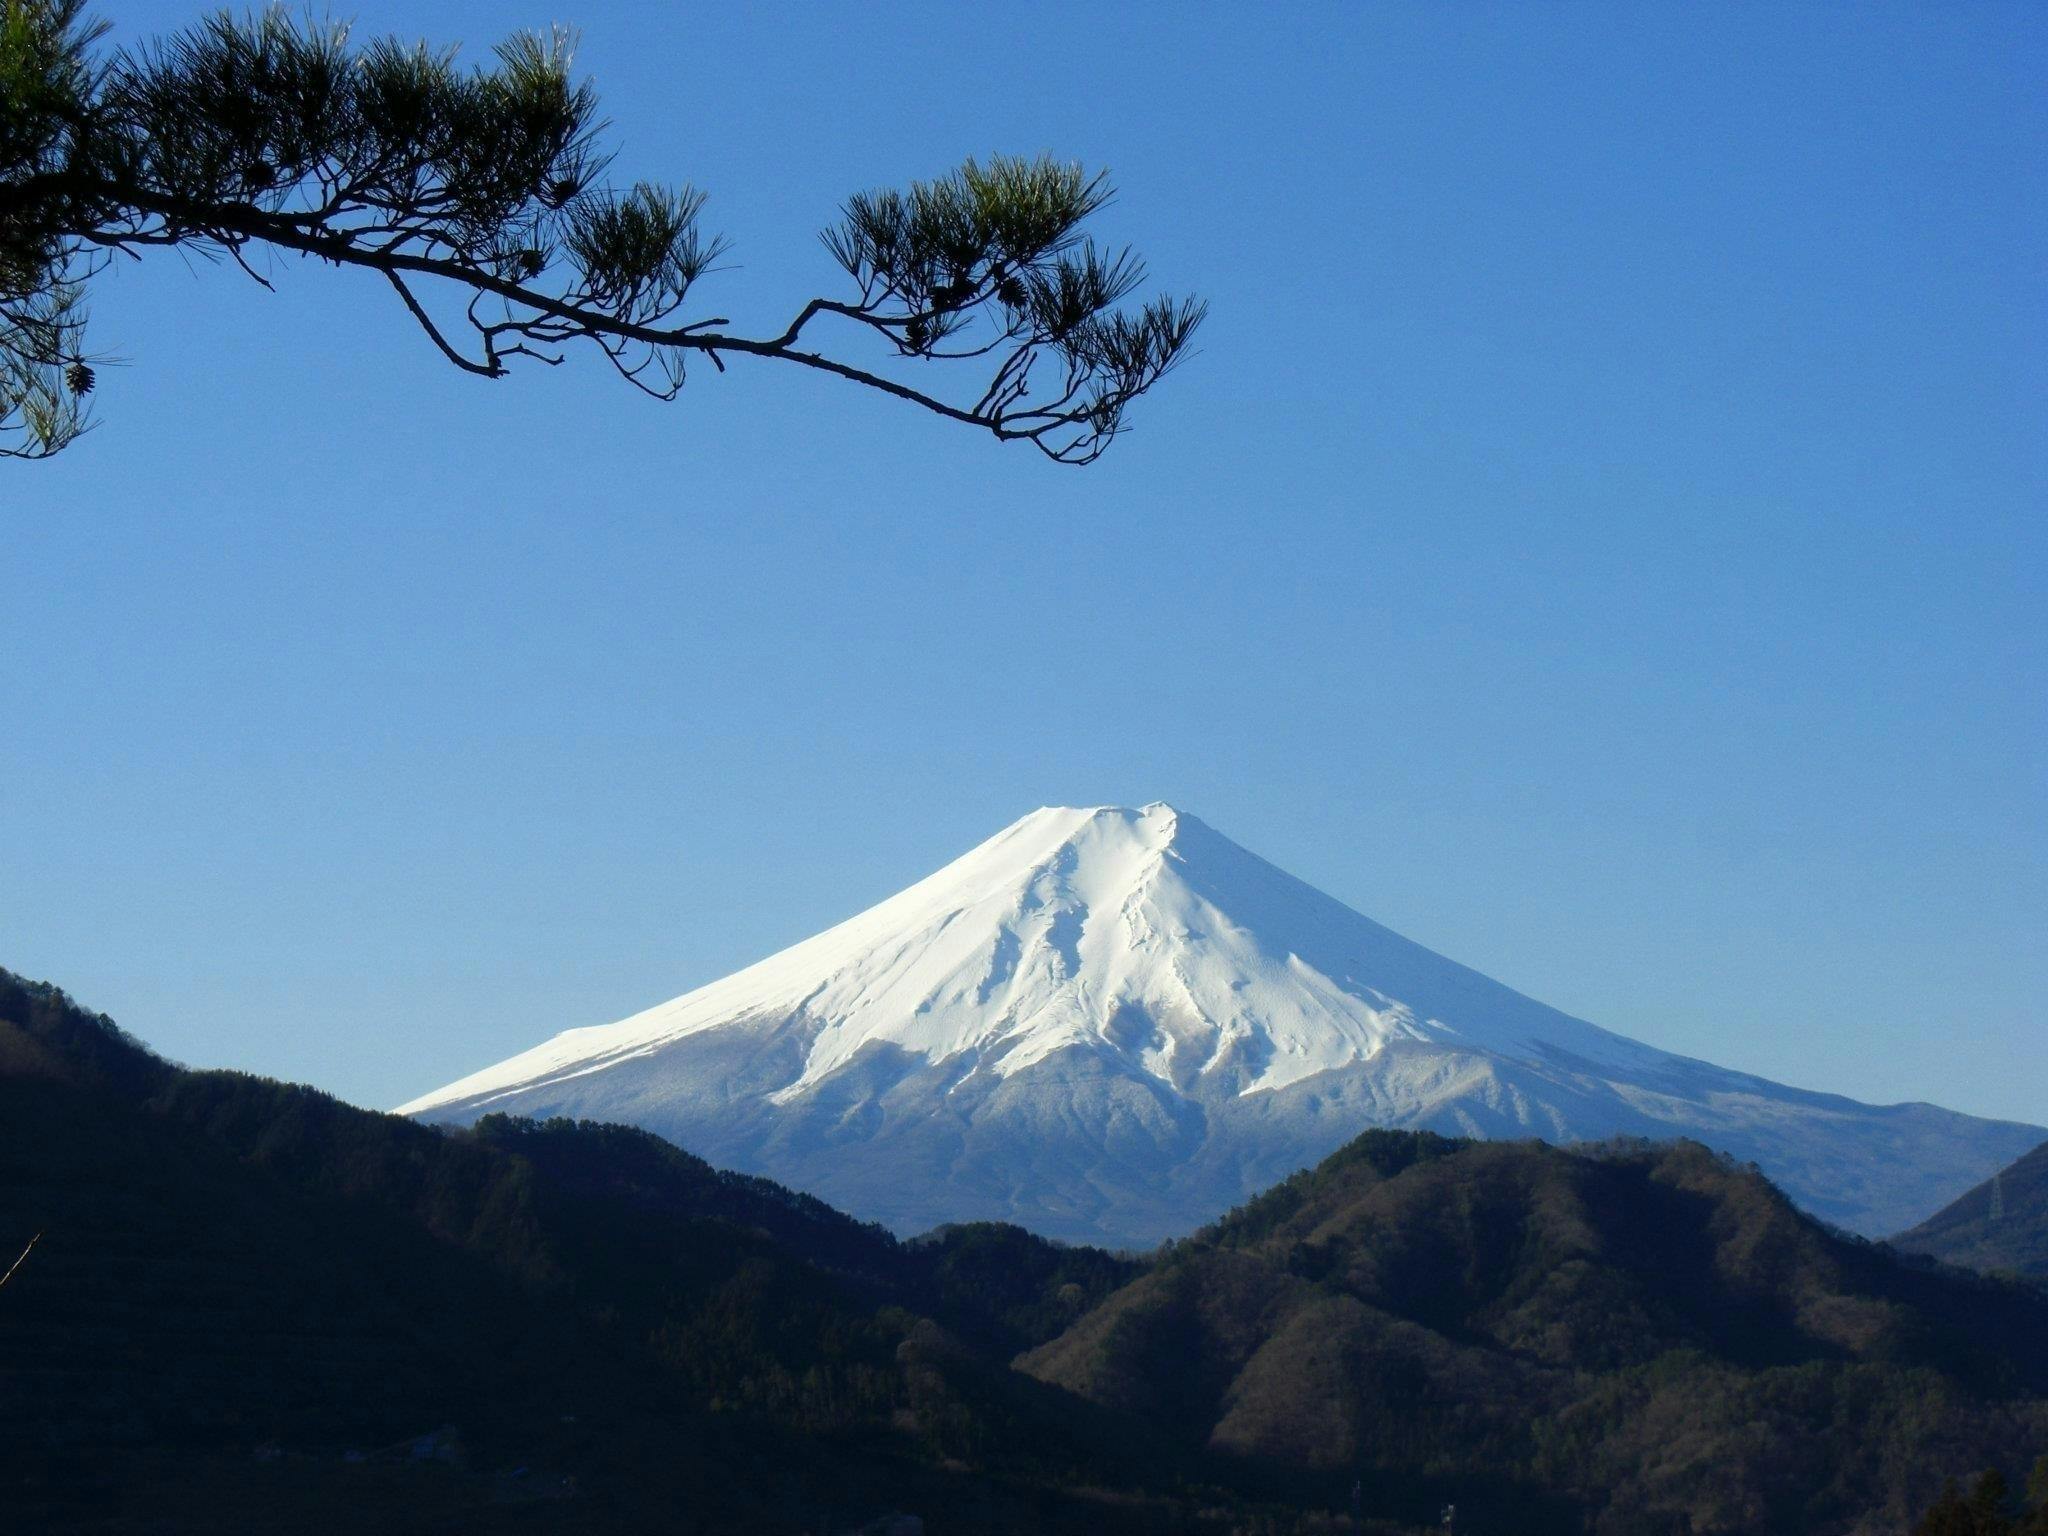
[1112,1025]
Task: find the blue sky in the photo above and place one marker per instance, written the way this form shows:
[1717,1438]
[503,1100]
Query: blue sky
[1600,537]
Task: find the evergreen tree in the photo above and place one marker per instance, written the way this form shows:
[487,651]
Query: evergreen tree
[1988,1501]
[2035,1521]
[1949,1515]
[481,196]
[1986,1511]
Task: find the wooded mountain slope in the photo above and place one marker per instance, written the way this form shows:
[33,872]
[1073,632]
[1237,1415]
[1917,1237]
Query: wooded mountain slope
[1641,1338]
[253,1308]
[2001,1225]
[250,1302]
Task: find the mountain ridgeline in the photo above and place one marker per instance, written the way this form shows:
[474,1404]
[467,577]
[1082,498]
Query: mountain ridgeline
[250,1306]
[2002,1224]
[1112,1025]
[1650,1331]
[254,1308]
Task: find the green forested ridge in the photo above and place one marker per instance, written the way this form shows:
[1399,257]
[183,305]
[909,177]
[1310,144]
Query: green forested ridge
[1649,1336]
[2001,1225]
[243,1285]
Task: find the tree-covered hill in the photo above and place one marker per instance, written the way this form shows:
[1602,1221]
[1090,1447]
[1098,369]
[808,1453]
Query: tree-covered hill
[249,1302]
[252,1308]
[1634,1338]
[2000,1226]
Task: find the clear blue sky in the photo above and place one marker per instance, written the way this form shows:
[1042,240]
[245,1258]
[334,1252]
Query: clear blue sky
[1601,537]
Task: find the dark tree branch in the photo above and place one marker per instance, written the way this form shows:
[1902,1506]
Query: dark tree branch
[270,131]
[433,331]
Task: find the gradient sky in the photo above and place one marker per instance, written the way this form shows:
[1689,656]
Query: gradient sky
[1601,537]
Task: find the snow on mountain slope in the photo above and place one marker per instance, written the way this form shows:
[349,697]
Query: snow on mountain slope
[1112,1024]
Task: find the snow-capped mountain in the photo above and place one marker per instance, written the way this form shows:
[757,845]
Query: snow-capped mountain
[1112,1025]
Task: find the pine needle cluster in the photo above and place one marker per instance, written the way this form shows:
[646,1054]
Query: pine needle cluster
[482,195]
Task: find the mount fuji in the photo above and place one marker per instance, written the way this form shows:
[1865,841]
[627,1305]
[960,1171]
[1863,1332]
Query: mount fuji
[1111,1025]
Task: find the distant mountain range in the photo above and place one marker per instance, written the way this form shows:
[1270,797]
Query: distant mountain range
[2002,1224]
[254,1309]
[1111,1025]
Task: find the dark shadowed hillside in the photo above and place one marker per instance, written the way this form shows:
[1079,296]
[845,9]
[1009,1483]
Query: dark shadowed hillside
[1647,1337]
[253,1308]
[2001,1225]
[250,1302]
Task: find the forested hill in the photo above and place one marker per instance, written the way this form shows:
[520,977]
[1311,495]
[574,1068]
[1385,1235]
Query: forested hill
[253,1308]
[1646,1337]
[250,1303]
[2001,1225]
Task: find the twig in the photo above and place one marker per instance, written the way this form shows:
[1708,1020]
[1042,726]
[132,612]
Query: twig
[17,1263]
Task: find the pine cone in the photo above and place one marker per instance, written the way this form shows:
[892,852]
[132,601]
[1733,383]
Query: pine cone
[80,378]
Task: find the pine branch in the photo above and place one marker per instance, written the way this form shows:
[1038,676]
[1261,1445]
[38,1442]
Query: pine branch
[485,188]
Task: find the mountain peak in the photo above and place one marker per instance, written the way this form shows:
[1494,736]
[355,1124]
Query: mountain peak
[1154,821]
[1155,818]
[1114,1022]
